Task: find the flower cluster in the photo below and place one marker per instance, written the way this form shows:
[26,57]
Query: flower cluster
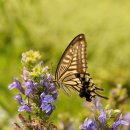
[127,118]
[66,122]
[104,119]
[37,92]
[118,96]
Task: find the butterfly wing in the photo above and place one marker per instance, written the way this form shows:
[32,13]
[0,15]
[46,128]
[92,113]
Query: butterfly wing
[71,70]
[72,62]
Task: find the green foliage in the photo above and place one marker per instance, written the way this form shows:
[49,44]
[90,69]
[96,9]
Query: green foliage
[49,26]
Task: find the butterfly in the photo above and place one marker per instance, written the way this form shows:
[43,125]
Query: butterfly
[71,72]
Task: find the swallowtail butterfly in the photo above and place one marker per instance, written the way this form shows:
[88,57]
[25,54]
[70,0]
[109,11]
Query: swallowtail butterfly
[72,72]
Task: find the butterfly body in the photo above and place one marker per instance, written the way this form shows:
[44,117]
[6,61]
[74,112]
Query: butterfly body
[71,72]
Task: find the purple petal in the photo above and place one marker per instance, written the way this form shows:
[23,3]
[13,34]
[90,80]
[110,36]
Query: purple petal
[127,117]
[12,86]
[119,122]
[51,110]
[46,107]
[48,99]
[46,84]
[18,97]
[42,96]
[99,105]
[29,93]
[30,89]
[86,122]
[49,77]
[102,118]
[48,110]
[92,124]
[16,84]
[52,88]
[24,108]
[55,95]
[48,113]
[25,74]
[36,84]
[29,84]
[89,124]
[82,127]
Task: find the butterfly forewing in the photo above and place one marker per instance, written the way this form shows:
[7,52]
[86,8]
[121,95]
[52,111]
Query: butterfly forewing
[72,62]
[73,59]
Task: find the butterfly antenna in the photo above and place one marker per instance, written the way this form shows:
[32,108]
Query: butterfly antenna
[101,95]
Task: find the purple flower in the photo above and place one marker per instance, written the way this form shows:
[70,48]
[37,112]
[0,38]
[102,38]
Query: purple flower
[102,118]
[29,84]
[51,87]
[99,105]
[46,103]
[30,88]
[16,84]
[47,107]
[89,124]
[49,95]
[118,123]
[36,85]
[102,121]
[46,84]
[48,99]
[39,93]
[55,95]
[42,96]
[127,117]
[18,97]
[49,77]
[29,92]
[25,107]
[25,74]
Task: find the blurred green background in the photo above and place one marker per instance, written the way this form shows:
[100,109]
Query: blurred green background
[49,26]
